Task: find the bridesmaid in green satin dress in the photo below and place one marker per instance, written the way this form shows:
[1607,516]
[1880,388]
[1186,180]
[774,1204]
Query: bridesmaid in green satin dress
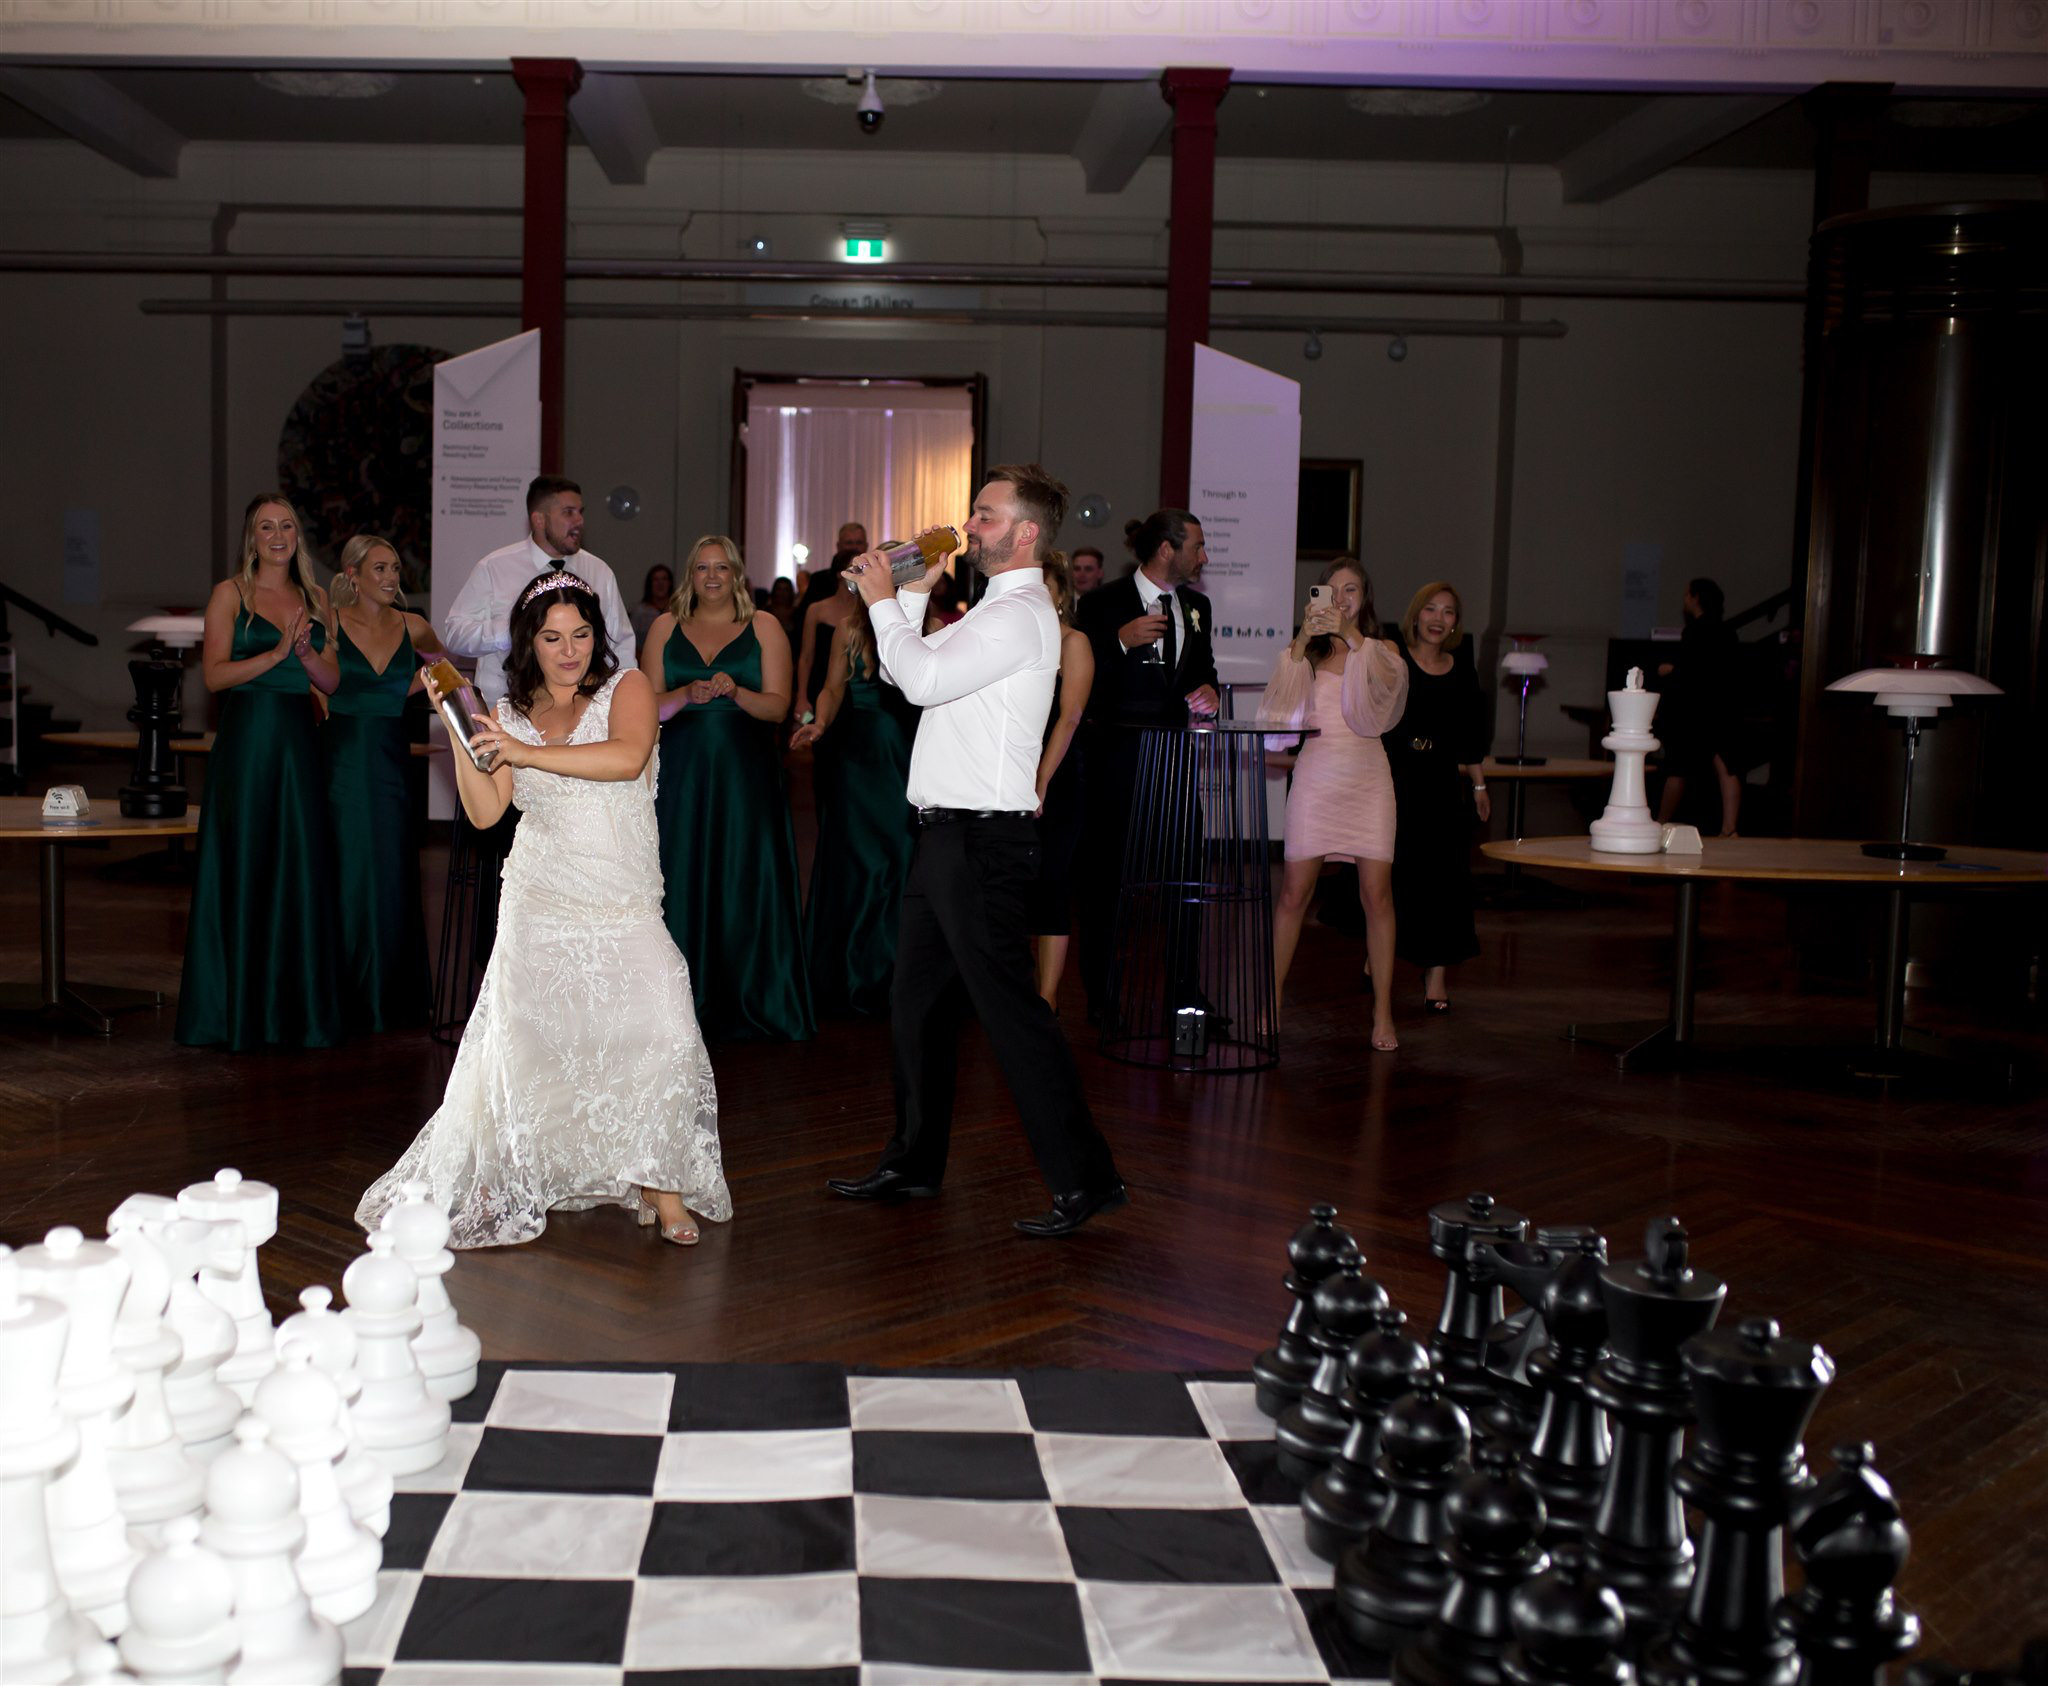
[722,679]
[864,834]
[260,943]
[369,791]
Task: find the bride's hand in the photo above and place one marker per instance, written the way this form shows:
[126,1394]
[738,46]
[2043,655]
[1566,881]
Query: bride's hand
[492,739]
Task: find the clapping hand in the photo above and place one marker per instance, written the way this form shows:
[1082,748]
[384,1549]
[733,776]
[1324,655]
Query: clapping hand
[296,638]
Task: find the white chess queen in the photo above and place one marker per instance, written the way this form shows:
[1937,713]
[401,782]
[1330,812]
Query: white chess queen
[582,1079]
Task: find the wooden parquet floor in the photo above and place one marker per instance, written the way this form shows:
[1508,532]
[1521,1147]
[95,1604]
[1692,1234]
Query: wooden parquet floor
[1908,1234]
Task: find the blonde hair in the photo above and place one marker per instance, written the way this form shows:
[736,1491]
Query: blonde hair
[1415,603]
[683,605]
[295,569]
[343,591]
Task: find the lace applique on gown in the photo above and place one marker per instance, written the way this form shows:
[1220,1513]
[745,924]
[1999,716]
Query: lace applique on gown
[581,1076]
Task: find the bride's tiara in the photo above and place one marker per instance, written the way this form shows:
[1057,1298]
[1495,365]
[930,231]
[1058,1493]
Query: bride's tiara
[559,580]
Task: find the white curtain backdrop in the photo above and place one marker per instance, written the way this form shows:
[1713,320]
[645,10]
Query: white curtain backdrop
[895,459]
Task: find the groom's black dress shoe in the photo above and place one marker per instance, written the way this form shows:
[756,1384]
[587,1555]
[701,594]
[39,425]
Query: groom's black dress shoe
[1070,1211]
[884,1184]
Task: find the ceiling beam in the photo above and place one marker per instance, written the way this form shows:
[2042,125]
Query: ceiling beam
[1649,140]
[1123,126]
[92,111]
[611,115]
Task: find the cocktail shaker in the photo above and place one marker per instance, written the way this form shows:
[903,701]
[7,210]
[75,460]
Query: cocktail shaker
[457,703]
[908,558]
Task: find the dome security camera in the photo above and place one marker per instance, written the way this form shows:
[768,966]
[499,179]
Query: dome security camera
[869,114]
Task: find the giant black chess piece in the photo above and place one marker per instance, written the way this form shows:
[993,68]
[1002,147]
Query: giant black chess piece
[1569,1453]
[1495,1519]
[1526,1267]
[1470,1308]
[1754,1391]
[1655,1304]
[1283,1369]
[1341,1503]
[1568,1628]
[1846,1532]
[1391,1583]
[1311,1429]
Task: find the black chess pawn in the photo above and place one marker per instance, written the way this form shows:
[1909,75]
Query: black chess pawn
[1568,1628]
[1310,1430]
[1568,1455]
[1525,1267]
[1754,1391]
[1283,1369]
[1392,1582]
[1846,1532]
[1495,1518]
[1342,1502]
[1655,1304]
[1470,1308]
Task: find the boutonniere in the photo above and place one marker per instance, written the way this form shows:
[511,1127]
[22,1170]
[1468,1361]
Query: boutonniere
[1195,619]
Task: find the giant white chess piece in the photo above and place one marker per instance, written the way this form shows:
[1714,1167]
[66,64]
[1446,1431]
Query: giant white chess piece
[181,1625]
[253,1522]
[338,1564]
[447,1352]
[1626,828]
[405,1427]
[153,1477]
[331,1338]
[88,1534]
[239,1292]
[38,1633]
[203,1409]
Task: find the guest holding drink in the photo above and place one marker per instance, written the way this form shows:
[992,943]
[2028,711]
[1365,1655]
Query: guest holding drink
[1062,801]
[860,742]
[722,678]
[261,947]
[1435,751]
[1348,684]
[369,790]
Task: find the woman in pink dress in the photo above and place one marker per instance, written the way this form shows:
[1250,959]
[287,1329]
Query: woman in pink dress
[1344,681]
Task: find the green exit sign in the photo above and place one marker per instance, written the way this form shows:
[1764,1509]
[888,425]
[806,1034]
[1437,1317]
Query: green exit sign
[864,250]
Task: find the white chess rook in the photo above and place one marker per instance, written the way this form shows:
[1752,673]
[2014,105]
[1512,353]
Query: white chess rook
[88,1535]
[239,1291]
[339,1562]
[153,1477]
[38,1632]
[405,1427]
[253,1523]
[181,1627]
[331,1339]
[447,1352]
[1626,828]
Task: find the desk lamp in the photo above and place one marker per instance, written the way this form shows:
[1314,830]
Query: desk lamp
[156,792]
[1914,692]
[1526,665]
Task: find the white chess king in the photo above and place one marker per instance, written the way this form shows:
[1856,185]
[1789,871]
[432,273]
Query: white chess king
[1626,828]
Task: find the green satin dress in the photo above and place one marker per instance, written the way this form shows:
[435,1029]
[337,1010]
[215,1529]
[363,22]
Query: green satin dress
[261,950]
[865,838]
[383,933]
[728,854]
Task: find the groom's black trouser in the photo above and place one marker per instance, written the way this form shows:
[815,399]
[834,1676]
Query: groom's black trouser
[962,943]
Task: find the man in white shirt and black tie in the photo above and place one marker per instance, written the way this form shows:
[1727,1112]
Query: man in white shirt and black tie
[985,684]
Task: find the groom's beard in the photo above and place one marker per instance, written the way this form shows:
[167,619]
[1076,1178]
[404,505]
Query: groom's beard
[983,560]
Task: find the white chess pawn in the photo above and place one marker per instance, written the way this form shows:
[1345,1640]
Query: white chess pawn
[203,1409]
[88,1535]
[181,1604]
[447,1352]
[239,1292]
[253,1522]
[38,1633]
[405,1427]
[329,1337]
[97,1662]
[153,1478]
[339,1562]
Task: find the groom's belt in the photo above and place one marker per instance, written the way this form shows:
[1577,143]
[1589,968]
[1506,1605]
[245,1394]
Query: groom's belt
[947,816]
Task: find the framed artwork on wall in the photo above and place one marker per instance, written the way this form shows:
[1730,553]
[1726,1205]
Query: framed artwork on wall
[1329,524]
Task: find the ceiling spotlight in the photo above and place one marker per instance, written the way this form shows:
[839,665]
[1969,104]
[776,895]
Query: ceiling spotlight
[869,113]
[1312,347]
[757,246]
[1397,349]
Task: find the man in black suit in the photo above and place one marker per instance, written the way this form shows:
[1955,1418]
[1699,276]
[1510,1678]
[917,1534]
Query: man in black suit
[1154,666]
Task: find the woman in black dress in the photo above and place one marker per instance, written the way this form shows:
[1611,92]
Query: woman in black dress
[1050,911]
[1435,751]
[1697,711]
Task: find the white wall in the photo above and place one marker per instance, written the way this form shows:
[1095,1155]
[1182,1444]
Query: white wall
[1648,421]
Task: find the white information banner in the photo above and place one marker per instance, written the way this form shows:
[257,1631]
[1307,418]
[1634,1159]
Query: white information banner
[1244,476]
[486,449]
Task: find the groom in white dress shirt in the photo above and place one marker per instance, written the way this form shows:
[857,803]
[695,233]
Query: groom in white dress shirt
[985,684]
[479,622]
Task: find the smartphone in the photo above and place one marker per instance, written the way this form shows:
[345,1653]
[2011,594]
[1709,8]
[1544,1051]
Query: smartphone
[1318,597]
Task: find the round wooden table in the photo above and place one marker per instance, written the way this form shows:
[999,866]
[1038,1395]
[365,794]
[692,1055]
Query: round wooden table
[21,820]
[125,741]
[1785,860]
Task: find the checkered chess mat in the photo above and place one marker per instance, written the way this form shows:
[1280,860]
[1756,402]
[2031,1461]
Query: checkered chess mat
[806,1524]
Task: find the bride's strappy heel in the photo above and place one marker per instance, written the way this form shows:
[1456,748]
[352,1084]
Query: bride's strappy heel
[682,1233]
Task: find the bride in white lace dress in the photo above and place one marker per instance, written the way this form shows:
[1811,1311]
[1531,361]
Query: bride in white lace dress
[581,1079]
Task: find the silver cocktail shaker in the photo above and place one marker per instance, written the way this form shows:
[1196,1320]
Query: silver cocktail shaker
[457,703]
[908,558]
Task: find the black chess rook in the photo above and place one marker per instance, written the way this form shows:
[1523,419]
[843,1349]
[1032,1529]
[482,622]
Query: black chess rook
[1283,1369]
